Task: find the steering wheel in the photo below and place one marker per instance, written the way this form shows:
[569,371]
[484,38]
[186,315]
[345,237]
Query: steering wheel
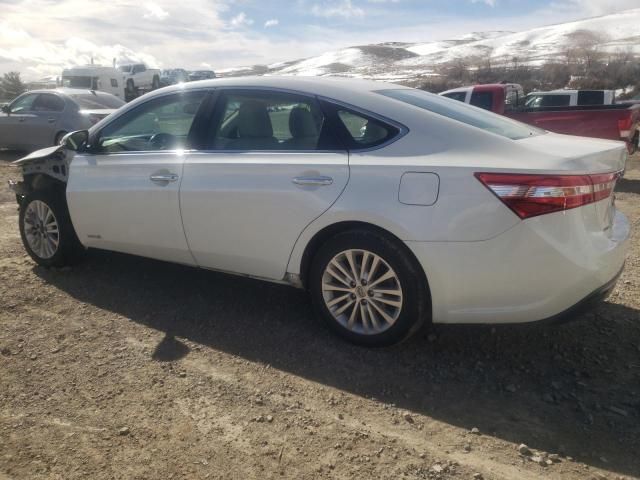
[162,141]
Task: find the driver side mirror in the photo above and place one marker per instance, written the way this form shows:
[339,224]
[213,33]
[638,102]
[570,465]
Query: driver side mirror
[75,140]
[6,109]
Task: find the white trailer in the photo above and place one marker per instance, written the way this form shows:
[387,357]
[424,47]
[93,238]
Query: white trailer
[95,77]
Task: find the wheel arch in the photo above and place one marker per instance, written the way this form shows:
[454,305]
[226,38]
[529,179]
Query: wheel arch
[322,235]
[41,181]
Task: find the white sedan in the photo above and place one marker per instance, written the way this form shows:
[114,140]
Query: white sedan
[393,207]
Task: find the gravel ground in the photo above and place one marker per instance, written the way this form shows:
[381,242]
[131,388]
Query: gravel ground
[130,368]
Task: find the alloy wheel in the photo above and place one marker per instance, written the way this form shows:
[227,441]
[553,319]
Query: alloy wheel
[41,229]
[362,291]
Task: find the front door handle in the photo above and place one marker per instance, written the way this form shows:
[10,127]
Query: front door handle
[164,177]
[313,181]
[51,119]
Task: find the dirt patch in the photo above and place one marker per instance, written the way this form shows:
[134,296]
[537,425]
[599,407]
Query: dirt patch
[130,368]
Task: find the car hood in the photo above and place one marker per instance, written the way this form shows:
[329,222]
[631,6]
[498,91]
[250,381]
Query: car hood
[38,155]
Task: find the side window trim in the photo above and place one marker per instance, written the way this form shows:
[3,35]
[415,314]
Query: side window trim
[335,124]
[216,112]
[91,148]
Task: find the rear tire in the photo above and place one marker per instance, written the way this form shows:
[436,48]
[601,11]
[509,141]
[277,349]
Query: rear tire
[46,230]
[368,289]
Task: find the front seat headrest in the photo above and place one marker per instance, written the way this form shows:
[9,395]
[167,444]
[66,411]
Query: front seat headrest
[254,120]
[301,123]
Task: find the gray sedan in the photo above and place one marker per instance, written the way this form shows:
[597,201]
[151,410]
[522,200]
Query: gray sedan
[40,118]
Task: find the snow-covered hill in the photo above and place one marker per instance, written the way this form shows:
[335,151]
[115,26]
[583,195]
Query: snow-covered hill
[407,61]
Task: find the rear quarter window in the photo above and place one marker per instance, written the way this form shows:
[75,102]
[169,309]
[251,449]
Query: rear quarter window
[359,130]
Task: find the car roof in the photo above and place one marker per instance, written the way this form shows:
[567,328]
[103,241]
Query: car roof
[70,91]
[339,88]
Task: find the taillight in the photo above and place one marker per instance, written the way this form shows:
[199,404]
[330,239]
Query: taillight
[532,195]
[625,124]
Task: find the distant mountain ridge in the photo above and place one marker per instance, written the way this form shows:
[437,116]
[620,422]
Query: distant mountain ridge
[406,62]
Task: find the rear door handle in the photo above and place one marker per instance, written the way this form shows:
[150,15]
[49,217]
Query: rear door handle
[164,177]
[314,181]
[51,119]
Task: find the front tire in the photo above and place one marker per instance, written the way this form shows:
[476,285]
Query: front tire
[59,137]
[46,230]
[368,288]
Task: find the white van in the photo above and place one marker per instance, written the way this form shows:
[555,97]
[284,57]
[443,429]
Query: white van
[95,77]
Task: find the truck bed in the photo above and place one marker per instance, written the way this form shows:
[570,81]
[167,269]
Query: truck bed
[613,122]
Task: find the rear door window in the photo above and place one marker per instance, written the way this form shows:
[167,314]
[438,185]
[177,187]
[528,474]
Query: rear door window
[250,120]
[47,102]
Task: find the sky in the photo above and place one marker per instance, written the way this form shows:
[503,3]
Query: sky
[40,37]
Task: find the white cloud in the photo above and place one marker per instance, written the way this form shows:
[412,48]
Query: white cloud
[271,23]
[593,7]
[155,11]
[344,9]
[491,3]
[241,20]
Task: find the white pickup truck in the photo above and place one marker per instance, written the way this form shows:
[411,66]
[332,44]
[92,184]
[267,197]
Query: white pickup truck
[138,79]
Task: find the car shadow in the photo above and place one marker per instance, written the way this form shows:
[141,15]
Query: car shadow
[628,185]
[10,155]
[571,389]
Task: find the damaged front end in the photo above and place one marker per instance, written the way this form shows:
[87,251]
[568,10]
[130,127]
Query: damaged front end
[42,169]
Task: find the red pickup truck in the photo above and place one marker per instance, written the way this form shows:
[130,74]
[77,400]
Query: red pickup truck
[613,122]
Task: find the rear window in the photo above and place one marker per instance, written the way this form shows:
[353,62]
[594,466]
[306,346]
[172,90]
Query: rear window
[483,100]
[460,96]
[96,102]
[464,113]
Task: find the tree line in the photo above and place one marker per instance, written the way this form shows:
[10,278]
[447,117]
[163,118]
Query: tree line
[582,64]
[11,85]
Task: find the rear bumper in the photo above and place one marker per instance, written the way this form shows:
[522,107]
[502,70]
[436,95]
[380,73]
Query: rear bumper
[584,305]
[547,267]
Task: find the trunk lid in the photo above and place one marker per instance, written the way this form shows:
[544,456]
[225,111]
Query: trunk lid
[563,155]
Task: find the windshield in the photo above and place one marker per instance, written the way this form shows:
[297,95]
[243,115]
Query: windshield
[125,68]
[89,101]
[464,113]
